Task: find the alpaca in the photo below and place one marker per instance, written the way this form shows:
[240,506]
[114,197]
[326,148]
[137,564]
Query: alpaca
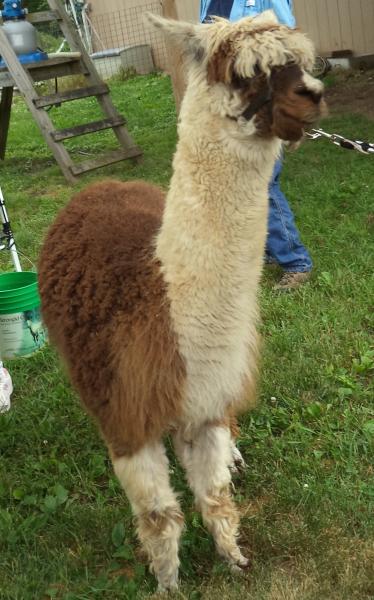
[35,330]
[151,301]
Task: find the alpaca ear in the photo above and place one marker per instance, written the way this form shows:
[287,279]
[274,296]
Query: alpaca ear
[187,35]
[267,17]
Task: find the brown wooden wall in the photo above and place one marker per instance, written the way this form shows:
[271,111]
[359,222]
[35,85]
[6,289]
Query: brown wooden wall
[332,24]
[336,25]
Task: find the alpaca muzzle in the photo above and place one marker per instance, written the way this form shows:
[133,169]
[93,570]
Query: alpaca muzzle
[297,102]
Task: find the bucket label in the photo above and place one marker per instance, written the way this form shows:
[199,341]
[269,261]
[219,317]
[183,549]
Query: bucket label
[21,333]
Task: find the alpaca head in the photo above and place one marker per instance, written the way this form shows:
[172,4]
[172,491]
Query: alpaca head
[254,73]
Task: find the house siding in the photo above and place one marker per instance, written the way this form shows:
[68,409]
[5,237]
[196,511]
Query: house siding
[333,25]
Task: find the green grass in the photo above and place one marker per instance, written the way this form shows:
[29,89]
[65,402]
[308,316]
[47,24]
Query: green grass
[307,497]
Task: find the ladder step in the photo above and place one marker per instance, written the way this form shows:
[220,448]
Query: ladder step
[43,16]
[52,99]
[107,159]
[70,132]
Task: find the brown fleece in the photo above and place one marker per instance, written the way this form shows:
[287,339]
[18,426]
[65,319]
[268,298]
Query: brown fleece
[221,64]
[294,106]
[105,306]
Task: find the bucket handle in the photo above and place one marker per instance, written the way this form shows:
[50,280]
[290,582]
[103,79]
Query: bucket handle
[28,260]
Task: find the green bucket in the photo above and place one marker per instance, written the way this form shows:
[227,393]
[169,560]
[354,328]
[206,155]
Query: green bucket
[21,329]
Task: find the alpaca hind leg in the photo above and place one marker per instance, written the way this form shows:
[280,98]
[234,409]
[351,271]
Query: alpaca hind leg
[207,457]
[145,479]
[237,464]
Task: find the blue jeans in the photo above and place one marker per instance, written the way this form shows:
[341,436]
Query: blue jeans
[283,244]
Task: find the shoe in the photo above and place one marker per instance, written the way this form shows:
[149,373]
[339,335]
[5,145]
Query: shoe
[291,280]
[269,260]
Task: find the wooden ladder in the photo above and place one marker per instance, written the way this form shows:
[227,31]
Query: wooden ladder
[24,77]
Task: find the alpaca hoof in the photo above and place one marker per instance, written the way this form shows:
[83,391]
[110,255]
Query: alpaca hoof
[168,585]
[238,464]
[163,591]
[240,566]
[244,562]
[236,570]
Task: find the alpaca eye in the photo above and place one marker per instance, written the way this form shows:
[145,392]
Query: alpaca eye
[239,82]
[304,91]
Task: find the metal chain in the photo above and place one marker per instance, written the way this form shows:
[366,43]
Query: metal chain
[339,140]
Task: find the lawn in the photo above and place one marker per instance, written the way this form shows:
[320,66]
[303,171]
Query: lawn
[307,496]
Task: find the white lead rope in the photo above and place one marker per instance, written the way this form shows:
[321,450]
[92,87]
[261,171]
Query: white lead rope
[339,140]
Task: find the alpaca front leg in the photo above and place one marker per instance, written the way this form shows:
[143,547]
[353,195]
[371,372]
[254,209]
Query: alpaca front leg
[145,479]
[207,457]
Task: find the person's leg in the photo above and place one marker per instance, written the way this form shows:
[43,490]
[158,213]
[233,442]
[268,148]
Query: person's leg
[283,242]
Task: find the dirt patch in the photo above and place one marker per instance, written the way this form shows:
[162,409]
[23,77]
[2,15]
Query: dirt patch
[351,92]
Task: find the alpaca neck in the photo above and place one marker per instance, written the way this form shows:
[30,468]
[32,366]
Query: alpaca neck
[210,247]
[216,208]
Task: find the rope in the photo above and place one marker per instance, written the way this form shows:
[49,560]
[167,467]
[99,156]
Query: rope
[339,140]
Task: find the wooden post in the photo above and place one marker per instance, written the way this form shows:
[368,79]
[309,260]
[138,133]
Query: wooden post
[176,66]
[5,110]
[185,10]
